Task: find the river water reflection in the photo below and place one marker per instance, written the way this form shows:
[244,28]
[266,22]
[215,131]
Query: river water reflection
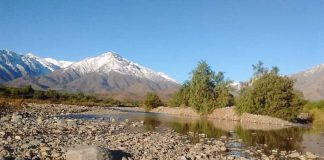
[267,137]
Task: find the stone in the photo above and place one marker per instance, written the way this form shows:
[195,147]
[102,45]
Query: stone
[16,118]
[4,152]
[294,155]
[72,123]
[88,153]
[17,138]
[223,148]
[5,119]
[310,155]
[39,120]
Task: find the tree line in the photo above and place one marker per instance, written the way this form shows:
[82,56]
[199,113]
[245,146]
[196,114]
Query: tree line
[27,92]
[266,93]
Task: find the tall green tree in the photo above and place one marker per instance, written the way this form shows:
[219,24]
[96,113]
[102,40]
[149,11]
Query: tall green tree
[205,91]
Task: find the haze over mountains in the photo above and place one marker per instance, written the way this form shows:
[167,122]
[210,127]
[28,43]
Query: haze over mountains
[106,74]
[111,74]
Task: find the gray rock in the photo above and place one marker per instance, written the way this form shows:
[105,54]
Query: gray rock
[72,123]
[16,118]
[88,153]
[4,119]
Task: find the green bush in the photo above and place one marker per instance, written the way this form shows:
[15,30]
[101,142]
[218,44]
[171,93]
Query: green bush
[152,100]
[205,91]
[273,95]
[315,105]
[181,97]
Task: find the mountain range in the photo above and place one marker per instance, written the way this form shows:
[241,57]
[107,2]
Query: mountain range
[106,74]
[13,65]
[111,74]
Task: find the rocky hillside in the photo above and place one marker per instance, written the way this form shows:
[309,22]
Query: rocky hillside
[311,82]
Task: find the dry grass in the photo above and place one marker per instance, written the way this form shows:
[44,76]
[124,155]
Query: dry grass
[10,105]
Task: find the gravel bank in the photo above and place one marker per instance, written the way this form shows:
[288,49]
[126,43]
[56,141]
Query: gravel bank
[37,133]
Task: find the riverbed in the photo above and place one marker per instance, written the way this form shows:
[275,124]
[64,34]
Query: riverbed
[267,138]
[51,131]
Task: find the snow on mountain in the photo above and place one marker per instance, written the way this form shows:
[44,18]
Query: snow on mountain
[314,70]
[62,64]
[110,61]
[106,74]
[14,65]
[51,66]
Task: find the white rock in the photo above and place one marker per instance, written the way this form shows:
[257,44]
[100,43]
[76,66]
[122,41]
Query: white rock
[88,153]
[310,155]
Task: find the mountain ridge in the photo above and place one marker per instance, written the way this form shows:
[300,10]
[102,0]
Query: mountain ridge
[311,82]
[106,74]
[14,65]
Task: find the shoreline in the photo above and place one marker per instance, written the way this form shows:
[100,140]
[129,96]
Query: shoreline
[37,132]
[226,113]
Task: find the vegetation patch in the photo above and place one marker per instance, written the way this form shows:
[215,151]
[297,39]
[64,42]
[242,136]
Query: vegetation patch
[28,94]
[205,91]
[316,109]
[152,100]
[270,94]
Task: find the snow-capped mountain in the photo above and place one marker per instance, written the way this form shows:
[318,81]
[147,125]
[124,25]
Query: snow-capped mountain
[108,73]
[311,82]
[14,65]
[62,64]
[112,62]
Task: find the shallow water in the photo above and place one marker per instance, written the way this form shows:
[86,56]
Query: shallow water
[265,137]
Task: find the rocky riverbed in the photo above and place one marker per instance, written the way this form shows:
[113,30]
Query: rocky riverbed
[41,132]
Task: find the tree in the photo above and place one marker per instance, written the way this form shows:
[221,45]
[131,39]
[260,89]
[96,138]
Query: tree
[181,97]
[152,100]
[39,95]
[205,91]
[271,94]
[259,69]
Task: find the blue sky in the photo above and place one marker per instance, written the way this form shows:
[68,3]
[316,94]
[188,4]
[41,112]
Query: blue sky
[171,35]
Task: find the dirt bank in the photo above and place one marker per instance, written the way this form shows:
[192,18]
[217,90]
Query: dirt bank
[227,113]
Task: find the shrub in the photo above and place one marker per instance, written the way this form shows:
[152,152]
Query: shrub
[152,100]
[316,109]
[181,97]
[273,95]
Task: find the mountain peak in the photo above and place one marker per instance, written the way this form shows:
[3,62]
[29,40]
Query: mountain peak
[111,54]
[30,55]
[112,62]
[314,70]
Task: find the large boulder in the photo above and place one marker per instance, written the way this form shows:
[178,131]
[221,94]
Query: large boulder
[88,153]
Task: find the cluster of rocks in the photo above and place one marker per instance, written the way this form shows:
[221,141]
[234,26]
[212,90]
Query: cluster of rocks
[37,134]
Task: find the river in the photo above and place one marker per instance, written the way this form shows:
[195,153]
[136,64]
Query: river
[268,138]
